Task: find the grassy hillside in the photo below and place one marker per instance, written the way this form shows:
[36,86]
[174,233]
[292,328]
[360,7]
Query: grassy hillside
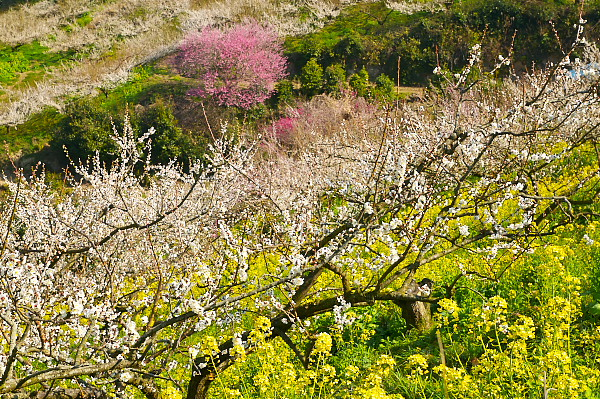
[52,52]
[100,42]
[84,48]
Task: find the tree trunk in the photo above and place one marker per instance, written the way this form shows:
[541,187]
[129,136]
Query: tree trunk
[417,314]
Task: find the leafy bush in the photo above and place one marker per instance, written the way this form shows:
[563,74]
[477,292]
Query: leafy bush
[237,67]
[86,130]
[377,36]
[169,142]
[335,79]
[89,129]
[385,88]
[285,92]
[349,50]
[359,82]
[311,78]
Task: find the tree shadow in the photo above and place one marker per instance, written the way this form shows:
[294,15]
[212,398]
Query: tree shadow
[48,159]
[6,4]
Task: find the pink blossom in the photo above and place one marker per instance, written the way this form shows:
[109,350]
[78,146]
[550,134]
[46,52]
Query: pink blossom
[238,67]
[283,128]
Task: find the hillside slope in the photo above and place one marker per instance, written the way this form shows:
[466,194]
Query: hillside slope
[103,40]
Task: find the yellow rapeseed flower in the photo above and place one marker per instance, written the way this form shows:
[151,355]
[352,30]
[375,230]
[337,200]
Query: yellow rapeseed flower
[323,344]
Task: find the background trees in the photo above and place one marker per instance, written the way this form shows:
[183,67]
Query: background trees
[88,129]
[238,66]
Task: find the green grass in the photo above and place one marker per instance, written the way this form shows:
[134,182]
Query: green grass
[28,62]
[371,19]
[84,19]
[146,84]
[35,54]
[34,134]
[81,21]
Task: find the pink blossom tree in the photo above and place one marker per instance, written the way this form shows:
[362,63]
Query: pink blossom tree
[238,67]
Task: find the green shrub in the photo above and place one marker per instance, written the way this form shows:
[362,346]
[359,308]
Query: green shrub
[385,88]
[359,82]
[335,78]
[88,129]
[350,50]
[373,35]
[311,78]
[312,48]
[285,92]
[169,142]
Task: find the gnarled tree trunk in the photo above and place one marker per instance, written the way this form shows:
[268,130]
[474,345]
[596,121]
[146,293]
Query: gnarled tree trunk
[417,314]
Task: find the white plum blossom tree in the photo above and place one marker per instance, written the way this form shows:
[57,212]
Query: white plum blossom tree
[109,280]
